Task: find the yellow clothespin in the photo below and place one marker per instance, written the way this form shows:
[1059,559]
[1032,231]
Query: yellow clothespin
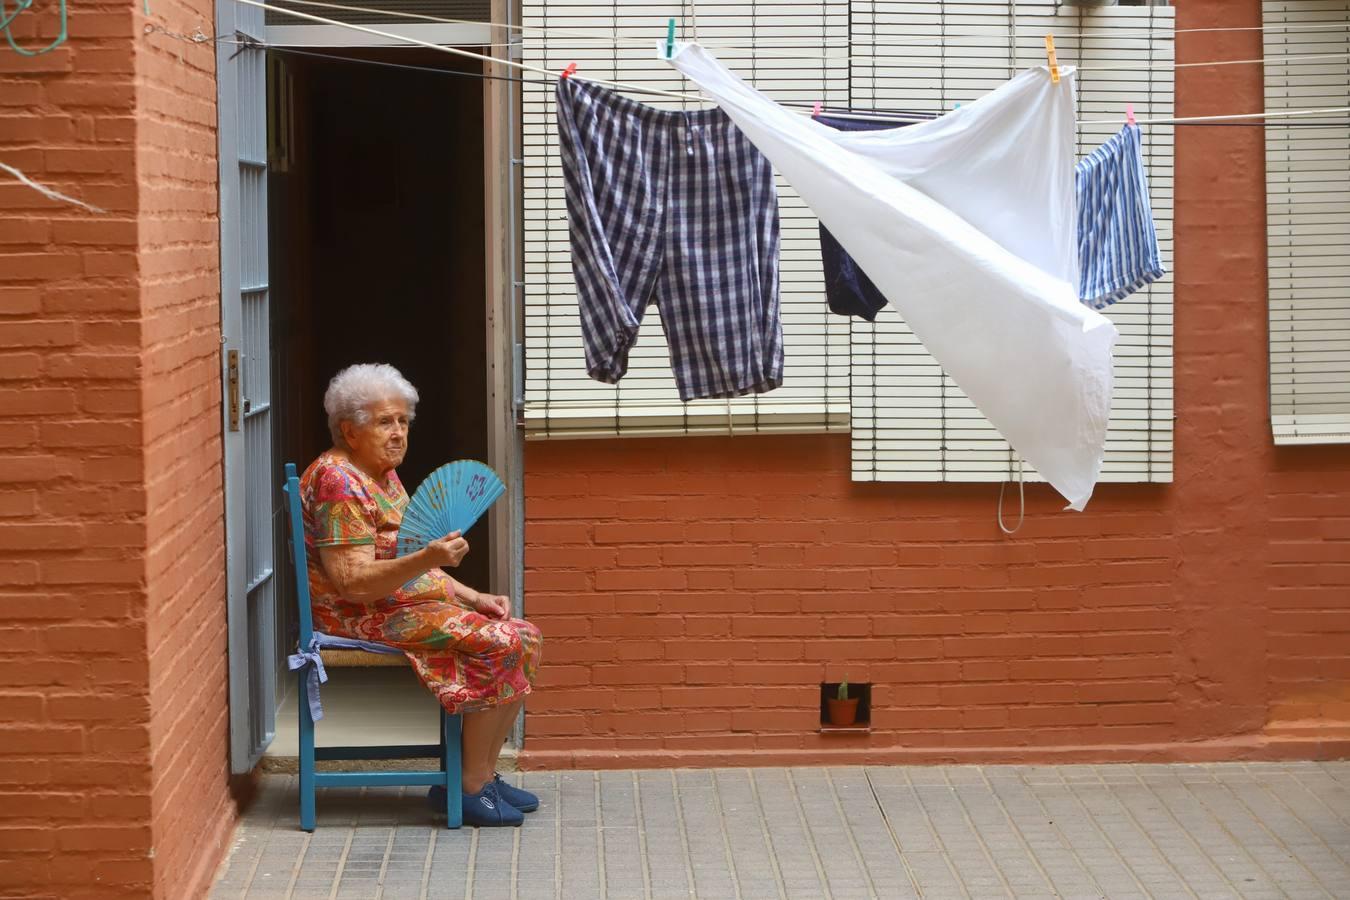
[1050,55]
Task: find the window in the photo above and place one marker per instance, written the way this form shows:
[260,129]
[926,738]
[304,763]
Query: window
[779,48]
[1307,45]
[909,422]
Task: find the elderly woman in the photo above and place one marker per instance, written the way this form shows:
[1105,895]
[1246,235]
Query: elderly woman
[463,644]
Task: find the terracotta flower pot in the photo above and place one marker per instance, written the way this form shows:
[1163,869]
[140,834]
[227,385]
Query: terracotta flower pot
[843,712]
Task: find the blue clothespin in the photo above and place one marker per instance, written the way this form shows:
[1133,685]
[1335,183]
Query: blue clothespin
[670,39]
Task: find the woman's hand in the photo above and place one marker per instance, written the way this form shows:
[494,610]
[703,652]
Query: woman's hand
[494,606]
[448,551]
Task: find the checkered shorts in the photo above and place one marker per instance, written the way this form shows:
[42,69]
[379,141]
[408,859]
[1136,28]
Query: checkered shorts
[677,209]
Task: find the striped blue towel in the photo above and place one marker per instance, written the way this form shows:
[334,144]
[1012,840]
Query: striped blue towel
[1117,243]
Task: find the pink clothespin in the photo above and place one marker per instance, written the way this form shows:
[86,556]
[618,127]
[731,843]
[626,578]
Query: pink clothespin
[1129,114]
[815,110]
[570,70]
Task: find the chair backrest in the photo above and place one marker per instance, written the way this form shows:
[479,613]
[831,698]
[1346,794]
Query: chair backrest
[299,556]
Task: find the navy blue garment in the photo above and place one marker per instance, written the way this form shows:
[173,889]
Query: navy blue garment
[847,288]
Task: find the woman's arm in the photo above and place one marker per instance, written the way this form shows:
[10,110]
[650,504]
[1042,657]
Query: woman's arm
[465,593]
[494,606]
[361,578]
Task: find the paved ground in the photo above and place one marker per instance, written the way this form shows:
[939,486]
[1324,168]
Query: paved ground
[1254,830]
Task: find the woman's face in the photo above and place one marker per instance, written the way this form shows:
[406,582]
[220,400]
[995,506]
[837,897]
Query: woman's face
[381,443]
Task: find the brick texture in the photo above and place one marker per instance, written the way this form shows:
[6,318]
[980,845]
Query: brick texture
[1307,615]
[695,592]
[192,811]
[74,699]
[113,771]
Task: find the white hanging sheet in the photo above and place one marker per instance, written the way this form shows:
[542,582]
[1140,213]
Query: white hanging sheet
[966,225]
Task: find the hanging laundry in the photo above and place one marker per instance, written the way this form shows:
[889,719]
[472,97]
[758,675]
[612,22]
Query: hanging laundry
[676,209]
[1117,242]
[966,224]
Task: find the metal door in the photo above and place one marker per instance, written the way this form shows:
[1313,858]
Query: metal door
[250,483]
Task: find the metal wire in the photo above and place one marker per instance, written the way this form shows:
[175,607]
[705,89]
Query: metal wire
[1012,32]
[941,39]
[525,67]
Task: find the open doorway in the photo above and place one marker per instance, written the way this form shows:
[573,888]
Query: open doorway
[376,246]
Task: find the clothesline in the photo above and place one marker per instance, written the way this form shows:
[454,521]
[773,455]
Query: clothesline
[1100,34]
[1142,67]
[306,50]
[454,51]
[601,41]
[526,67]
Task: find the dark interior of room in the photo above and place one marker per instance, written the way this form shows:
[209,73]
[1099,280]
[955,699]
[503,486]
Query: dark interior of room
[377,249]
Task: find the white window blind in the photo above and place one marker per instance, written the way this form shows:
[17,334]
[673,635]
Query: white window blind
[1308,222]
[778,46]
[910,422]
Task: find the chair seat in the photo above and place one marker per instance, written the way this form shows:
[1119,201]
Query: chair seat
[335,658]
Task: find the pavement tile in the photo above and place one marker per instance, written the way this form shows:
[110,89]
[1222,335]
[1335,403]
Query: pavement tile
[1255,831]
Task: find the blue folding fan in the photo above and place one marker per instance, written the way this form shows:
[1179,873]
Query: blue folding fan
[451,498]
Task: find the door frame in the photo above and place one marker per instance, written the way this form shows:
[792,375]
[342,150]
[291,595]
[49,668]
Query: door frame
[502,297]
[505,341]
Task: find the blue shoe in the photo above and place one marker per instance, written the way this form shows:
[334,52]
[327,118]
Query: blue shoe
[521,799]
[487,809]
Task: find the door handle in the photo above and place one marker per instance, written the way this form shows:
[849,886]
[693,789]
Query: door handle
[232,386]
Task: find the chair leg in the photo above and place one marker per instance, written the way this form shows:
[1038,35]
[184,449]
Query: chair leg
[306,760]
[450,765]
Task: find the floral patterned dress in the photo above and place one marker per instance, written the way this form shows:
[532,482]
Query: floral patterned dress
[468,661]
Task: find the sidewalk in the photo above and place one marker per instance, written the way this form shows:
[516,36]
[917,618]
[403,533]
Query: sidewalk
[1259,830]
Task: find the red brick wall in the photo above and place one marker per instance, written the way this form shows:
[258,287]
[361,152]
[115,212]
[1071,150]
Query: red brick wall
[695,592]
[192,811]
[1307,615]
[1264,531]
[112,759]
[74,710]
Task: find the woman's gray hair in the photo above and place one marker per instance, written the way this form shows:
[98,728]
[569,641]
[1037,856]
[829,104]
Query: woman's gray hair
[356,388]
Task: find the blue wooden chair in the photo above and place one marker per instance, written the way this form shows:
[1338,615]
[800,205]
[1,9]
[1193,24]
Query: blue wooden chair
[310,673]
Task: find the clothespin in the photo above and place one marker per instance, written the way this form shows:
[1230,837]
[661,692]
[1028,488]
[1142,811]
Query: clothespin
[1129,114]
[815,110]
[1050,56]
[670,39]
[570,70]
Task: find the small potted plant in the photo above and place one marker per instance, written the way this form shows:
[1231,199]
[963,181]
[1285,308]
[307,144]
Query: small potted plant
[843,709]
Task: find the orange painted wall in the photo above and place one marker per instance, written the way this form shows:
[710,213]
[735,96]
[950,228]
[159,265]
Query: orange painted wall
[113,764]
[191,807]
[695,592]
[74,698]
